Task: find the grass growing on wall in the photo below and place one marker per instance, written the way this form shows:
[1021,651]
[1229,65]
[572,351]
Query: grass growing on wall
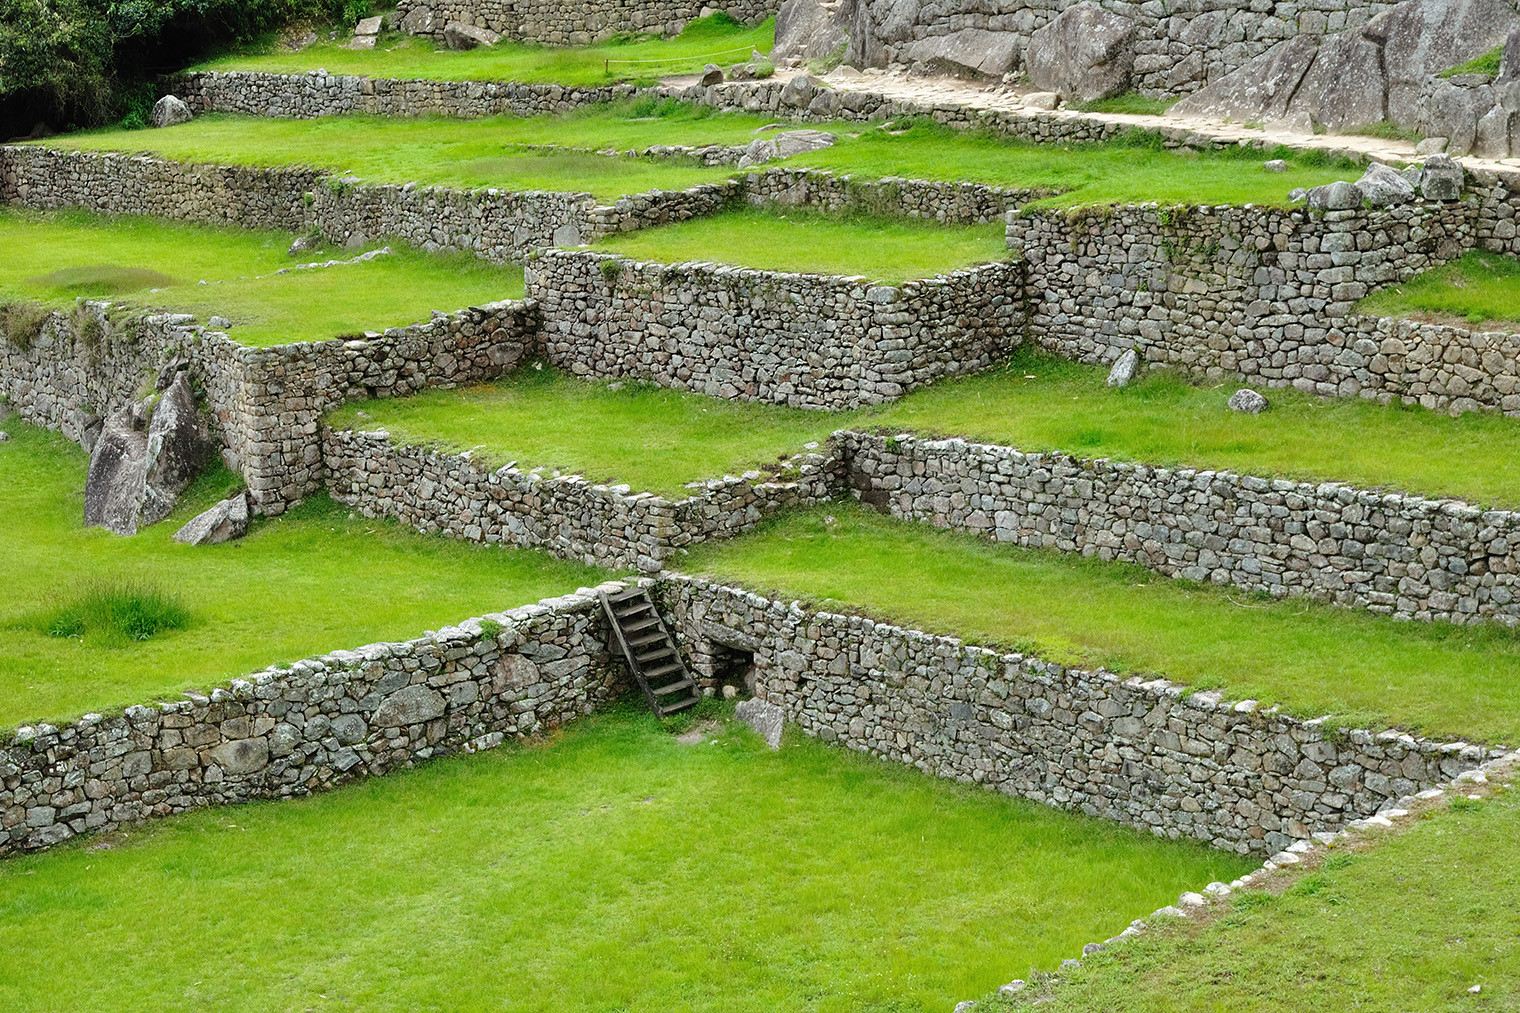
[1479,290]
[480,153]
[1415,922]
[57,258]
[306,583]
[1312,658]
[884,250]
[611,868]
[716,39]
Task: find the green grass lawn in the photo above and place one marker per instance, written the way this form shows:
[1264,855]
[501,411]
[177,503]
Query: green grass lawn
[612,869]
[1479,290]
[658,440]
[309,582]
[481,153]
[716,39]
[57,258]
[886,250]
[652,438]
[1412,923]
[1314,659]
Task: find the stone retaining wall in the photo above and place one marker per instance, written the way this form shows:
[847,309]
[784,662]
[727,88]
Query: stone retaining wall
[804,340]
[309,727]
[1399,555]
[890,196]
[558,24]
[1147,753]
[1268,294]
[604,525]
[267,401]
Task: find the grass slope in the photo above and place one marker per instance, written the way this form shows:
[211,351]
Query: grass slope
[58,257]
[479,153]
[1314,659]
[1411,924]
[1481,289]
[882,249]
[614,869]
[658,440]
[717,39]
[309,582]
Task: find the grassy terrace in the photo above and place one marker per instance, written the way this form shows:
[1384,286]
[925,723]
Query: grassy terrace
[54,259]
[309,582]
[1412,923]
[1436,678]
[881,249]
[481,153]
[716,39]
[613,869]
[1481,290]
[658,440]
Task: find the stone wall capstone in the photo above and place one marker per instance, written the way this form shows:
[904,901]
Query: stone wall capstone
[1147,753]
[311,726]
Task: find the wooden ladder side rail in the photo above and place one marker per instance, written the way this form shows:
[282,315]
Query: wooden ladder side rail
[609,607]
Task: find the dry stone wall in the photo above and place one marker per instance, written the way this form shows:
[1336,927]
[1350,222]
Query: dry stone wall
[1268,294]
[1143,752]
[558,24]
[1390,553]
[959,203]
[604,525]
[312,726]
[803,340]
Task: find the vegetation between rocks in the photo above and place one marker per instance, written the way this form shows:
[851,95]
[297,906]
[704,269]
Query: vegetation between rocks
[1479,290]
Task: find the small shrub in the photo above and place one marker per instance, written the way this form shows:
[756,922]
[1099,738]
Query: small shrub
[113,613]
[490,629]
[355,11]
[1487,63]
[611,269]
[88,328]
[23,322]
[762,69]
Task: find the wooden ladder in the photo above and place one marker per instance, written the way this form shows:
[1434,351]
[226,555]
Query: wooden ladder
[651,652]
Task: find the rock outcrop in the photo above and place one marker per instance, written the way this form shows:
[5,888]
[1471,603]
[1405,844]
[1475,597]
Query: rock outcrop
[170,111]
[457,35]
[1362,75]
[784,145]
[971,53]
[1086,53]
[1474,114]
[146,455]
[811,30]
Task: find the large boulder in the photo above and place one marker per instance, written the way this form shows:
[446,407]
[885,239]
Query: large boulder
[169,111]
[142,461]
[1382,187]
[972,53]
[810,30]
[1441,178]
[1425,38]
[1264,93]
[784,145]
[417,21]
[458,35]
[226,521]
[1086,53]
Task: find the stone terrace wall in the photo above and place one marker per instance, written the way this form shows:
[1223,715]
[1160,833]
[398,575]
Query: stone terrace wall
[323,722]
[498,225]
[803,340]
[559,24]
[268,402]
[1145,753]
[1399,555]
[1267,293]
[960,203]
[602,525]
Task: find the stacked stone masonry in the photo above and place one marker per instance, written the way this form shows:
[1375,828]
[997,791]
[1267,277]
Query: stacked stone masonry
[320,723]
[804,340]
[1390,553]
[1269,294]
[603,525]
[560,24]
[1146,753]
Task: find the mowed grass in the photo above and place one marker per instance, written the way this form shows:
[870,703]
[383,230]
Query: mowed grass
[484,153]
[884,250]
[717,39]
[1314,659]
[652,438]
[657,440]
[1412,923]
[306,583]
[610,869]
[1479,290]
[56,258]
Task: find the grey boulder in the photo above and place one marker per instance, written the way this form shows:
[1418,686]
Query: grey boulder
[1125,368]
[809,30]
[1247,401]
[458,35]
[1441,178]
[712,74]
[224,522]
[1337,196]
[764,719]
[1086,53]
[418,21]
[140,465]
[784,145]
[1382,187]
[170,111]
[970,53]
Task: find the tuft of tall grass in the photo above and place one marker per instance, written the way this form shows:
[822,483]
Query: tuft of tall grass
[113,612]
